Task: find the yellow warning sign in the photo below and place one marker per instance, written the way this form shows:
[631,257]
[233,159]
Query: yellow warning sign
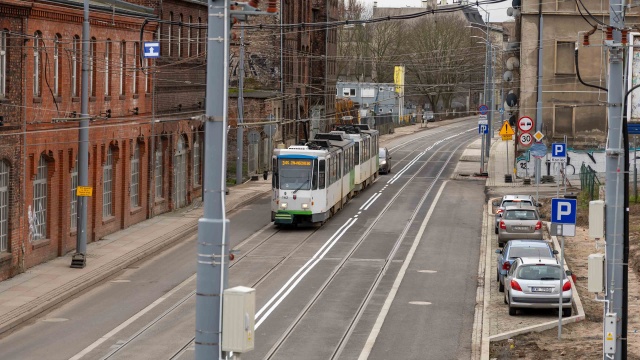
[84,191]
[609,336]
[506,130]
[506,137]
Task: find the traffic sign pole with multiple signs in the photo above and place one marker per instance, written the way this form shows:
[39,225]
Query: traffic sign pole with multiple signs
[483,130]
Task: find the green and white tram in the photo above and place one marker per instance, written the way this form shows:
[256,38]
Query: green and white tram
[366,144]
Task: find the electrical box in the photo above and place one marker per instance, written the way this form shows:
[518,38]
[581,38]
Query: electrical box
[595,264]
[596,219]
[610,329]
[238,319]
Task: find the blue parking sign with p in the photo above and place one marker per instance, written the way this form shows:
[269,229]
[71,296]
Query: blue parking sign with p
[559,150]
[483,129]
[563,211]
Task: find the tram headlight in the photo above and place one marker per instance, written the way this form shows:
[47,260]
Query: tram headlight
[305,206]
[283,205]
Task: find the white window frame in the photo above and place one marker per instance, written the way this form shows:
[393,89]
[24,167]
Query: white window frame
[180,36]
[134,187]
[169,31]
[40,200]
[75,50]
[92,67]
[107,58]
[4,206]
[107,185]
[146,76]
[158,171]
[189,36]
[3,63]
[121,60]
[74,196]
[56,65]
[197,156]
[134,83]
[198,37]
[36,63]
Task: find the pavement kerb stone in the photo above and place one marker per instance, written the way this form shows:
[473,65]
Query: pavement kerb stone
[478,328]
[486,233]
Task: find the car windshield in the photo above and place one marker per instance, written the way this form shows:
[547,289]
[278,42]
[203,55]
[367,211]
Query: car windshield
[516,203]
[382,154]
[520,215]
[295,174]
[539,272]
[529,252]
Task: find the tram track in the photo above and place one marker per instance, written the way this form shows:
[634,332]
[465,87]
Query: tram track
[246,255]
[338,350]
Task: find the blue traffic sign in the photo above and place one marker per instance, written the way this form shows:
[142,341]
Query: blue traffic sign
[563,211]
[559,150]
[501,110]
[483,109]
[538,150]
[151,50]
[483,129]
[634,129]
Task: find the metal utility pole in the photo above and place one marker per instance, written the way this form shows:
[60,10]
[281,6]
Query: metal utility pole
[614,188]
[213,227]
[79,259]
[240,139]
[490,87]
[538,167]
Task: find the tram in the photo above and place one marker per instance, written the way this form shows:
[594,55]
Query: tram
[313,181]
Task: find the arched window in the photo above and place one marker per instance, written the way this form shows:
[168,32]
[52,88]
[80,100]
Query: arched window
[122,60]
[74,195]
[197,158]
[107,185]
[40,200]
[134,196]
[4,38]
[37,64]
[169,31]
[76,65]
[180,36]
[4,207]
[56,64]
[107,68]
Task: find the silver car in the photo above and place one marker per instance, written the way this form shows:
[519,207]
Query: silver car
[519,223]
[511,200]
[519,248]
[534,283]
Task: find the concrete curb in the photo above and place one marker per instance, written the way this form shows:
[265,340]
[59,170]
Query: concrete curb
[478,325]
[488,228]
[31,309]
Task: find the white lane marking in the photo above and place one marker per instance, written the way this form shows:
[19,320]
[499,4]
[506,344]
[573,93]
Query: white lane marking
[367,202]
[372,201]
[120,281]
[419,303]
[359,212]
[128,322]
[427,271]
[377,327]
[334,239]
[55,320]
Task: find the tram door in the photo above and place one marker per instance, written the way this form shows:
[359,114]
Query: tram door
[180,171]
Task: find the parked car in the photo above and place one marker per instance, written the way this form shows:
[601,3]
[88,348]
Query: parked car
[534,283]
[520,248]
[519,223]
[385,165]
[512,200]
[428,116]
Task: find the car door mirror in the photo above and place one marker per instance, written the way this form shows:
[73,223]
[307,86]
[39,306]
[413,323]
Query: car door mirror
[498,251]
[568,273]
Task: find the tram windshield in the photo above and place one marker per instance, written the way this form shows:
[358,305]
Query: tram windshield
[295,174]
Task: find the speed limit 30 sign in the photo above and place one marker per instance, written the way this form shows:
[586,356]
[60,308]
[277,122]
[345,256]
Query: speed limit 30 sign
[525,139]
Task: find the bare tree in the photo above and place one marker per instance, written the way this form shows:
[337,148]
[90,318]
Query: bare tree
[386,47]
[353,47]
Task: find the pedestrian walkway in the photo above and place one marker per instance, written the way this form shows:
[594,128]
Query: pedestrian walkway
[44,286]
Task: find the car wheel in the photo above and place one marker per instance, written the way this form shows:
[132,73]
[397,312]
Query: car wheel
[504,298]
[500,244]
[512,311]
[566,312]
[497,276]
[501,287]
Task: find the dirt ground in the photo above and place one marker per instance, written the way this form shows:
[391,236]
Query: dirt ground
[582,340]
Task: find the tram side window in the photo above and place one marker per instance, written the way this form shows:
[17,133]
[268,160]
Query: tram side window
[357,155]
[314,178]
[274,176]
[322,174]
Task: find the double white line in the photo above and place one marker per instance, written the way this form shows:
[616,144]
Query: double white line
[273,303]
[371,200]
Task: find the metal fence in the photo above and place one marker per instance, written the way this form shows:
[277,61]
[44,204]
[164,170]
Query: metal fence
[589,181]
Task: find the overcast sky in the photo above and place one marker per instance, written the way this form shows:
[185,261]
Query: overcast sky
[498,11]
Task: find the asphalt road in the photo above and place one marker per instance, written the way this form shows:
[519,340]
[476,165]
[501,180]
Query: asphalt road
[392,275]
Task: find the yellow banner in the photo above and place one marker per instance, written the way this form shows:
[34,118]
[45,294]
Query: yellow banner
[398,79]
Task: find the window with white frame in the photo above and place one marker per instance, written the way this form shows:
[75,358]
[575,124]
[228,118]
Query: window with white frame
[147,83]
[198,37]
[74,195]
[37,59]
[107,69]
[196,160]
[4,206]
[107,185]
[189,36]
[3,62]
[169,31]
[92,67]
[134,82]
[158,171]
[56,64]
[134,196]
[40,200]
[76,65]
[122,59]
[180,36]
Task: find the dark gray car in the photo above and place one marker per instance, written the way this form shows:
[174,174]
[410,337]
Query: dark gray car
[385,165]
[519,248]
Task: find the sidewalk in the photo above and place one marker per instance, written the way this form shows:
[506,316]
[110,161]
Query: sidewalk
[46,285]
